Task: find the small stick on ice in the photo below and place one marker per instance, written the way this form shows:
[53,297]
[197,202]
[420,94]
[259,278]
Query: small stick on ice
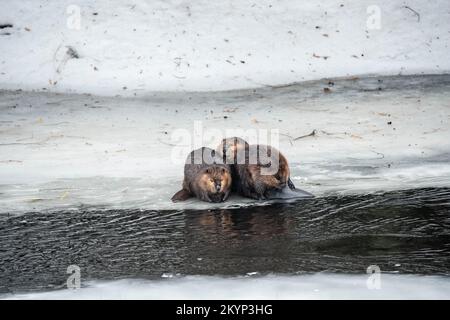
[414,11]
[312,134]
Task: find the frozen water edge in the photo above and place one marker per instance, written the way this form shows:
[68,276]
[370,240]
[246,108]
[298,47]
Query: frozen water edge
[315,286]
[66,151]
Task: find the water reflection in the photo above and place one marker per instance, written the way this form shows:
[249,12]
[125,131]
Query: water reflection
[257,224]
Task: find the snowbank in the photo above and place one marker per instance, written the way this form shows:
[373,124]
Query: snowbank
[133,47]
[317,286]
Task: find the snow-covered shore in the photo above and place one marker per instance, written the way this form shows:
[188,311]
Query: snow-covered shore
[132,48]
[63,151]
[100,101]
[317,286]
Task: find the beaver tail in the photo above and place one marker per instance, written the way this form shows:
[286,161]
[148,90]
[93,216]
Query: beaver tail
[291,184]
[181,195]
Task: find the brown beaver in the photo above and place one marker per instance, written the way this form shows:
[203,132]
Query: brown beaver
[251,174]
[205,177]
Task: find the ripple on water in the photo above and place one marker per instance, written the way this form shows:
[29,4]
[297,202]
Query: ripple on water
[403,231]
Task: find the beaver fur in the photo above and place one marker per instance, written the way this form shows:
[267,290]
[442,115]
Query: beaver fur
[248,168]
[205,177]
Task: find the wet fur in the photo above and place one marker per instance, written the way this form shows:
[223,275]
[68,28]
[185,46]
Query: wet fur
[247,178]
[202,179]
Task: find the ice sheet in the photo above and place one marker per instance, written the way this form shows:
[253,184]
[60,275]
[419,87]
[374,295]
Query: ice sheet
[66,151]
[316,286]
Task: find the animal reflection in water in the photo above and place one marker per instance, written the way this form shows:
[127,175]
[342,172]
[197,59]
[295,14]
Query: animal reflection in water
[220,224]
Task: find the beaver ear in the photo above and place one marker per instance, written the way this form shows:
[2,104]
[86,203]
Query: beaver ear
[181,195]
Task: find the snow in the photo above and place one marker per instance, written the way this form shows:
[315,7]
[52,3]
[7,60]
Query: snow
[65,151]
[135,47]
[143,64]
[103,102]
[314,286]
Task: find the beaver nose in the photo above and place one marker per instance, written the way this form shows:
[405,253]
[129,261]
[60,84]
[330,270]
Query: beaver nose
[218,186]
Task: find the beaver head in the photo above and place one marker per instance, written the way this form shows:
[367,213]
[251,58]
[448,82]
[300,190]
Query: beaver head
[216,181]
[233,150]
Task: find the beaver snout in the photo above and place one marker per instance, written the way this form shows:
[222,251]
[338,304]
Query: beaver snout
[218,186]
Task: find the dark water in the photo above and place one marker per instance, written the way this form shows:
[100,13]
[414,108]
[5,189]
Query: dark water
[402,231]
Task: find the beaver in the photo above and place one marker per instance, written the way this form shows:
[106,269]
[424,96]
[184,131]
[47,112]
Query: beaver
[249,172]
[205,177]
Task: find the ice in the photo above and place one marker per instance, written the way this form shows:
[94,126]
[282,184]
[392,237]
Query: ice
[68,151]
[145,46]
[93,120]
[312,286]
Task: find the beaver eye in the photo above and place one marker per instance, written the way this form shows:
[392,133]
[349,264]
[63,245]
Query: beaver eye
[223,170]
[207,171]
